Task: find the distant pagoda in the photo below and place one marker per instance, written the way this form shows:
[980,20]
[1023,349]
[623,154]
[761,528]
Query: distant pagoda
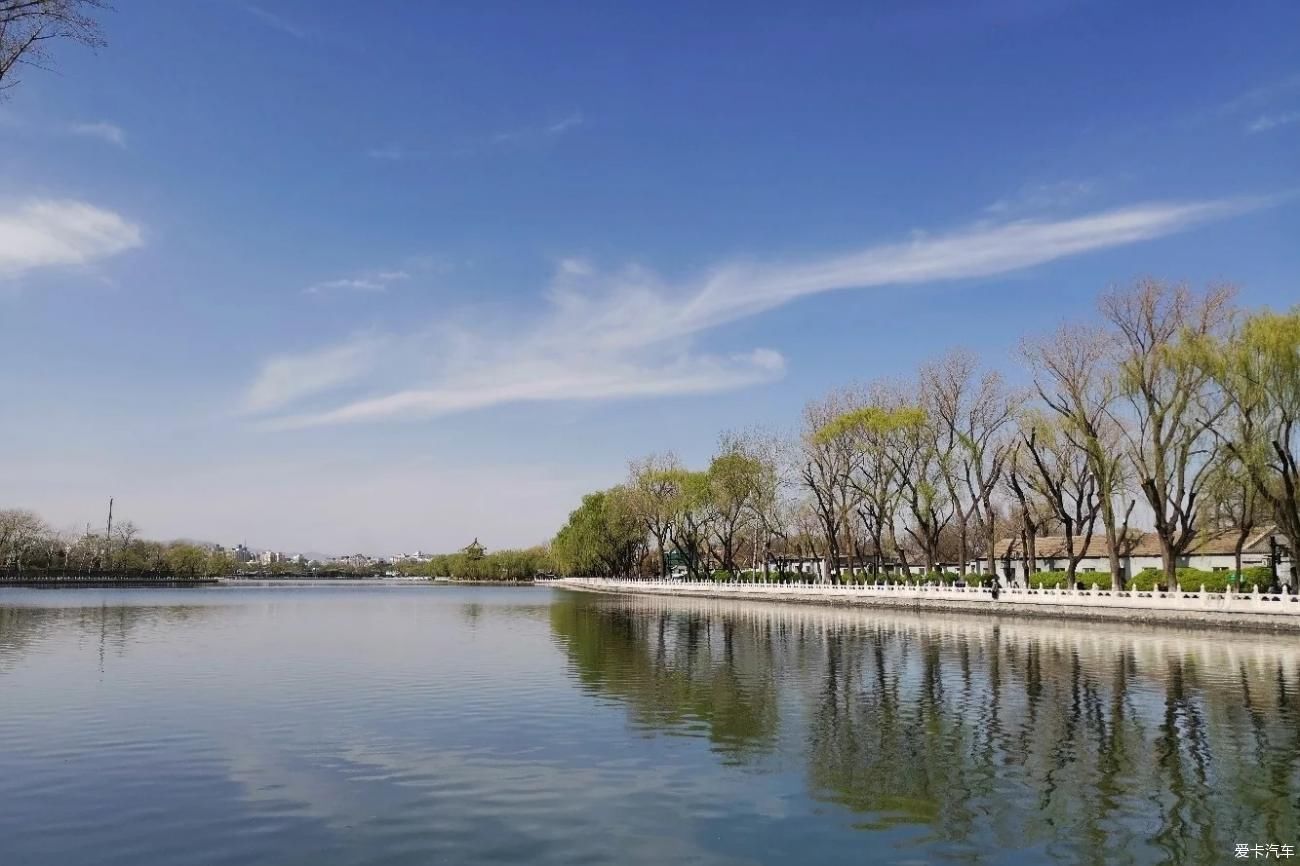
[474,550]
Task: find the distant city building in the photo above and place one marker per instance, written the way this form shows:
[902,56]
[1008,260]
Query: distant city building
[356,560]
[417,556]
[242,554]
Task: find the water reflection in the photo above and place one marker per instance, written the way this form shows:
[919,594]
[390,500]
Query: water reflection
[346,726]
[109,626]
[1075,743]
[678,670]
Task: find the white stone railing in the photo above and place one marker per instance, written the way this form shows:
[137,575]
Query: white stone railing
[1253,602]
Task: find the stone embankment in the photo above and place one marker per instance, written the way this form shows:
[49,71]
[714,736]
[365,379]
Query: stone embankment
[1240,610]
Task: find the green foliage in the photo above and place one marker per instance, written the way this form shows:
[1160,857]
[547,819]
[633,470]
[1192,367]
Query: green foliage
[1050,580]
[602,537]
[1258,575]
[499,565]
[1192,579]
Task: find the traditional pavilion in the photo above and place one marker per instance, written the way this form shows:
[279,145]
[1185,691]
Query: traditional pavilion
[474,550]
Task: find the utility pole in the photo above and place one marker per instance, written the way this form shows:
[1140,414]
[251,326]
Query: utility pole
[108,535]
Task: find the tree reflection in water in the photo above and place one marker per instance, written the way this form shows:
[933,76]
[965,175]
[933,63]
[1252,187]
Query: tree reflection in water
[1084,743]
[23,627]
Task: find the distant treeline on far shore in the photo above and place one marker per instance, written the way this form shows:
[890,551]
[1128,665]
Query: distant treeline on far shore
[29,544]
[501,565]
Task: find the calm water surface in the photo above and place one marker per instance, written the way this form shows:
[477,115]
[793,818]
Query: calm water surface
[420,724]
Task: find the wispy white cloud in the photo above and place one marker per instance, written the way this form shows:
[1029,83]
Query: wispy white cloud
[1262,95]
[103,130]
[375,281]
[545,378]
[520,136]
[50,232]
[276,21]
[564,124]
[286,378]
[393,153]
[552,129]
[1265,122]
[1266,107]
[1040,197]
[630,333]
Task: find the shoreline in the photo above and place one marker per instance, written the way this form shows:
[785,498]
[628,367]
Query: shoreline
[1188,610]
[108,583]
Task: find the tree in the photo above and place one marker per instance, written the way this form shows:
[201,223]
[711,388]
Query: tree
[21,532]
[124,532]
[1073,375]
[220,562]
[1232,502]
[653,487]
[1062,478]
[737,479]
[1028,515]
[602,537]
[693,513]
[769,507]
[972,413]
[827,461]
[875,431]
[1258,371]
[185,559]
[1171,407]
[919,467]
[27,27]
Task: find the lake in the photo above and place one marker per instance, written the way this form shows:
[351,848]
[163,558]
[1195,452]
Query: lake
[400,724]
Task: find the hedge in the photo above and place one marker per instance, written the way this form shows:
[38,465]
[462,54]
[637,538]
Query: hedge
[1190,579]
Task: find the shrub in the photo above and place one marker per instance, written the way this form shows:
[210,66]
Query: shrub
[1147,579]
[1213,581]
[1049,580]
[1189,579]
[1257,575]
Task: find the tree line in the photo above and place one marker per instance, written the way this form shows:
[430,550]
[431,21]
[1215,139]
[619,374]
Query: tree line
[28,543]
[524,564]
[1177,409]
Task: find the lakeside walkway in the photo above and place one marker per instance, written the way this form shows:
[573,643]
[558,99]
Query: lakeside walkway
[1252,610]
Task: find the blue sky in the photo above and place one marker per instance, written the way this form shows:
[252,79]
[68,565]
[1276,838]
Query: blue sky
[327,281]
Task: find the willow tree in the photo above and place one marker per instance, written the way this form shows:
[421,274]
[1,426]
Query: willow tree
[918,465]
[870,472]
[737,479]
[652,489]
[601,537]
[1170,406]
[875,435]
[1258,370]
[827,460]
[692,516]
[1232,503]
